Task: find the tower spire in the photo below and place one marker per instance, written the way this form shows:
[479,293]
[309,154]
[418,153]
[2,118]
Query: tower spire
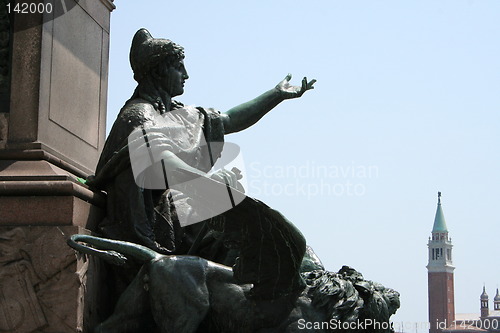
[496,302]
[484,295]
[439,221]
[484,303]
[440,274]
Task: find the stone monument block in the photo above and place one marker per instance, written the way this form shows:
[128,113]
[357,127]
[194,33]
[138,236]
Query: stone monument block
[59,83]
[41,193]
[54,82]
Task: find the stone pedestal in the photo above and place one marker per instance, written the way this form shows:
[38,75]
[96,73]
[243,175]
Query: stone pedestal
[58,85]
[50,136]
[44,287]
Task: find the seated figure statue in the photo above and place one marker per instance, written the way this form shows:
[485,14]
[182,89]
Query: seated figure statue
[206,257]
[184,143]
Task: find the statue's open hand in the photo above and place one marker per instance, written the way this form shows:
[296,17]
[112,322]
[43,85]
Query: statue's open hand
[288,91]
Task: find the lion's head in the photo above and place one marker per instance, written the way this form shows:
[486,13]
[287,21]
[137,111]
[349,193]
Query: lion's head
[347,298]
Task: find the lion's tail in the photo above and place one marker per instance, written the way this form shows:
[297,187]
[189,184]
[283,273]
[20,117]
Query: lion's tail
[111,250]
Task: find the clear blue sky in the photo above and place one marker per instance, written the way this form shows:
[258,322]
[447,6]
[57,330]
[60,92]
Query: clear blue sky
[406,104]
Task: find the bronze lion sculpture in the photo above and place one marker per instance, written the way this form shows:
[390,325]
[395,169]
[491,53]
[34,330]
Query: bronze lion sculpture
[188,294]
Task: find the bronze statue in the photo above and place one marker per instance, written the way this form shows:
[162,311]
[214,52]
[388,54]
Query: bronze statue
[159,70]
[154,171]
[148,216]
[187,294]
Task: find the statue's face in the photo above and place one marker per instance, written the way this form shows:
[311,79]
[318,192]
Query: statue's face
[173,81]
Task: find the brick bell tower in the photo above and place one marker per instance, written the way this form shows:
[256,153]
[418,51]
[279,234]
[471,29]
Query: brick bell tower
[440,275]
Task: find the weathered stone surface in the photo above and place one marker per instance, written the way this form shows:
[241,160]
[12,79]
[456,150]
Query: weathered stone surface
[4,58]
[4,121]
[40,193]
[52,129]
[59,84]
[44,286]
[48,210]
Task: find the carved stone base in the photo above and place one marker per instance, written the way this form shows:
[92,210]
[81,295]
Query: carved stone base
[38,192]
[44,285]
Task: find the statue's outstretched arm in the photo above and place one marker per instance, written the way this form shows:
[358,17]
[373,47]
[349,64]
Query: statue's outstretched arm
[247,114]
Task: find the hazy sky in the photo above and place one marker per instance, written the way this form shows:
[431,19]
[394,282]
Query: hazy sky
[406,104]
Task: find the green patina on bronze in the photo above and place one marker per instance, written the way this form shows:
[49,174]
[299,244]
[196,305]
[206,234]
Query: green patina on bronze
[248,269]
[188,294]
[148,217]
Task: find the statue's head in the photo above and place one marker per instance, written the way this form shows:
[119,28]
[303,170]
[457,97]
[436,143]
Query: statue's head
[158,60]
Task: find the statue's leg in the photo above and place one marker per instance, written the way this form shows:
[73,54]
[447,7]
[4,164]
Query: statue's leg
[178,293]
[132,313]
[271,251]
